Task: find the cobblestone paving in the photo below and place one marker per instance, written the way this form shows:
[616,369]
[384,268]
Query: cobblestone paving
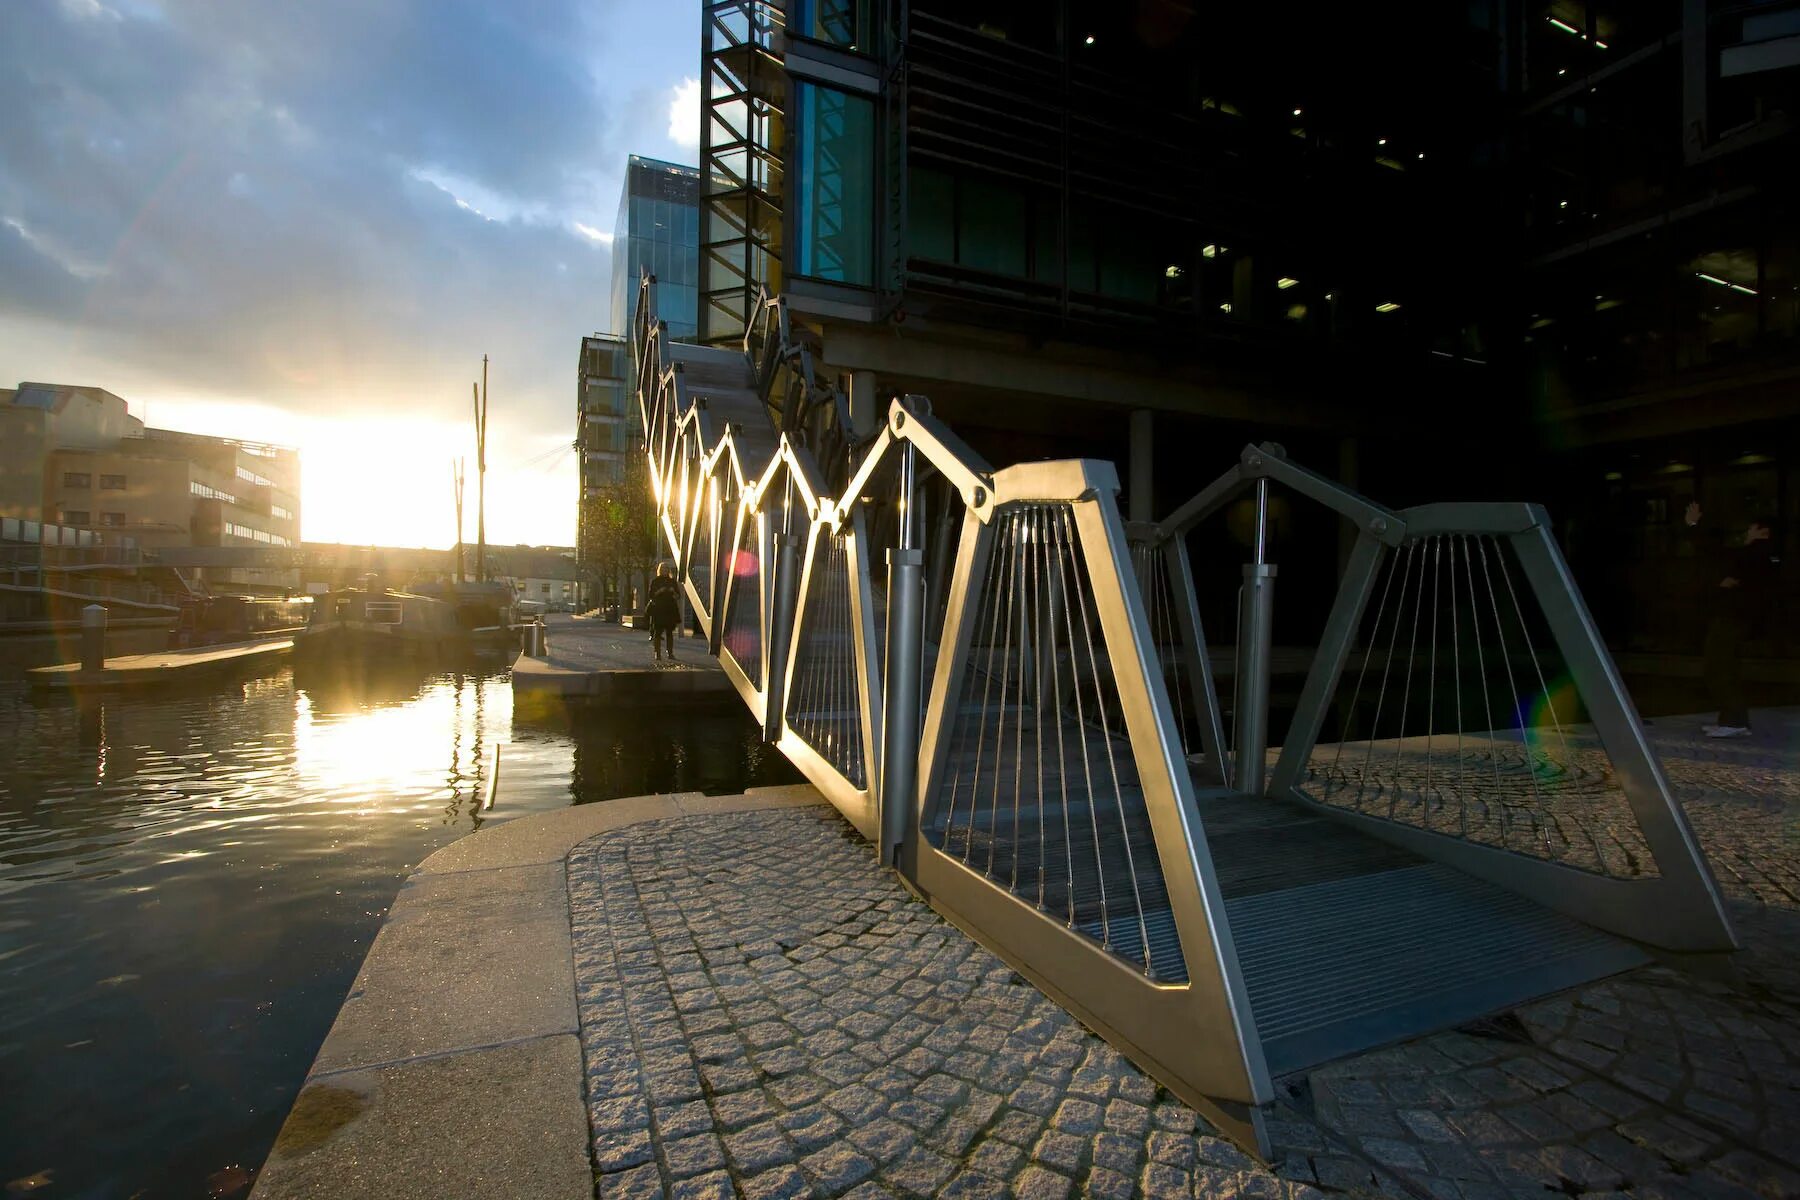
[1660,1083]
[756,1030]
[753,1030]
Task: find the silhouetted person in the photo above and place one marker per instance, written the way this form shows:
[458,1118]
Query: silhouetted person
[1738,603]
[663,609]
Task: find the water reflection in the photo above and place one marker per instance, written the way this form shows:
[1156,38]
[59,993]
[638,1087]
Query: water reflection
[188,883]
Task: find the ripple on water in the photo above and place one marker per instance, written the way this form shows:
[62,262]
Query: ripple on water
[188,884]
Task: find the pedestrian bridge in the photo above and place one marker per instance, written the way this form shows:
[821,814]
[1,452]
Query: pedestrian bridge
[1008,691]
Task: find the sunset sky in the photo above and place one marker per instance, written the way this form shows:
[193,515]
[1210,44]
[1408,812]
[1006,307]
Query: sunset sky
[306,222]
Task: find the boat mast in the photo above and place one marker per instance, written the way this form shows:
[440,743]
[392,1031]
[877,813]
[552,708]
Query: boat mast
[481,474]
[456,476]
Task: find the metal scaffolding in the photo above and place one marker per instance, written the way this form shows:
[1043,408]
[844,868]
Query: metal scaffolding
[745,98]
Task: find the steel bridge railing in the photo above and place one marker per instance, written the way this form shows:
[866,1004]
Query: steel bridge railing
[973,687]
[1009,693]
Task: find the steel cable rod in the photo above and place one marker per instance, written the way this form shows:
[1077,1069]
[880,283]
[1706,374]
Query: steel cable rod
[1462,799]
[1361,674]
[1037,703]
[1543,686]
[1106,735]
[1011,586]
[1062,761]
[1387,666]
[1437,562]
[1513,688]
[1412,657]
[1066,570]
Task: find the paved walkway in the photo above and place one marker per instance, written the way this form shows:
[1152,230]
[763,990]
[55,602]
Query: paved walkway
[647,997]
[607,662]
[751,1029]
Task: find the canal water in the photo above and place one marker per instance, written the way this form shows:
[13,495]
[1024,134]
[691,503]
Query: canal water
[188,884]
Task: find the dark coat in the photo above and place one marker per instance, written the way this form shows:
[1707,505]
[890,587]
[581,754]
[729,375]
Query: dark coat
[664,606]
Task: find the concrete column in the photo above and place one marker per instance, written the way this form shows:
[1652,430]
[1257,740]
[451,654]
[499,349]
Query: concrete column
[866,413]
[1140,484]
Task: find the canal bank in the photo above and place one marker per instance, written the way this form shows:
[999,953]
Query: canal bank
[714,1020]
[595,662]
[189,883]
[455,1066]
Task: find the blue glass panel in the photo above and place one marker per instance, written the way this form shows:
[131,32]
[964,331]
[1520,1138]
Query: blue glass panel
[835,139]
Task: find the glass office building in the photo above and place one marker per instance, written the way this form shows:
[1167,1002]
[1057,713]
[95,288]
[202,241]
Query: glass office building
[659,229]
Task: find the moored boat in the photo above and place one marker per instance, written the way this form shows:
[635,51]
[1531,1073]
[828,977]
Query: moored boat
[222,620]
[359,621]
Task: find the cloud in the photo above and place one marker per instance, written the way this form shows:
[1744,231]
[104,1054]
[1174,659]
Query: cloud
[327,209]
[684,113]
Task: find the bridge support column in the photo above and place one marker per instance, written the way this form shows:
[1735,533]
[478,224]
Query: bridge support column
[1256,615]
[867,413]
[902,677]
[781,629]
[1140,483]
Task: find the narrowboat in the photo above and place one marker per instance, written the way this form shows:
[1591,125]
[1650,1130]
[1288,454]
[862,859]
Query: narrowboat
[358,621]
[486,612]
[221,620]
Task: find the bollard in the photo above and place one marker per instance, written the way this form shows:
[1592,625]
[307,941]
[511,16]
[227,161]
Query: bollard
[93,638]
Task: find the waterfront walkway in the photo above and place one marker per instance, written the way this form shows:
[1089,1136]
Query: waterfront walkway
[601,660]
[699,997]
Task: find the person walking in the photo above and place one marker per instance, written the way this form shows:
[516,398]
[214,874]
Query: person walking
[663,609]
[1738,604]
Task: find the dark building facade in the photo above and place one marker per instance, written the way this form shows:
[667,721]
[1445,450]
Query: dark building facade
[1653,319]
[1433,249]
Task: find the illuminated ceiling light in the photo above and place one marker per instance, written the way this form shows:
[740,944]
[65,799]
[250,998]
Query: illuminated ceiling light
[1284,282]
[1089,39]
[1296,312]
[1421,155]
[1381,141]
[1602,45]
[1386,306]
[1330,296]
[1211,251]
[1174,271]
[1296,112]
[1225,307]
[1726,283]
[1562,70]
[1564,26]
[1562,204]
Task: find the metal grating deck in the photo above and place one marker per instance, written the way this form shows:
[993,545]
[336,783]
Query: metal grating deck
[1347,943]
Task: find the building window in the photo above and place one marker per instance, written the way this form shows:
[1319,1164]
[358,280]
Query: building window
[275,510]
[77,479]
[835,147]
[205,492]
[842,23]
[107,518]
[249,476]
[112,483]
[984,223]
[76,516]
